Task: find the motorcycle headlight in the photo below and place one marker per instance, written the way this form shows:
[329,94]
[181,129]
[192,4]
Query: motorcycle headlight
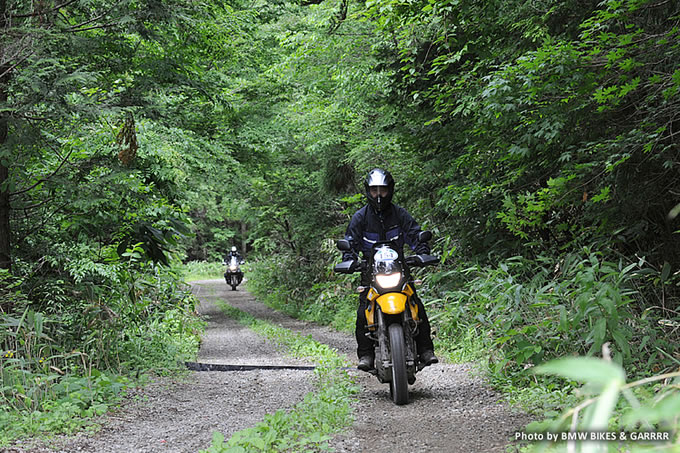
[233,268]
[388,280]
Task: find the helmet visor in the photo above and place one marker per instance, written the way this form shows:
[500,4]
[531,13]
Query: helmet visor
[376,191]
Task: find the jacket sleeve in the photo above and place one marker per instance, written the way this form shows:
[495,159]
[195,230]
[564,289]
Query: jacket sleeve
[354,235]
[411,230]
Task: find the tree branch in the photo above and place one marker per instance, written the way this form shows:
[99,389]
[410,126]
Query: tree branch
[41,180]
[33,206]
[9,69]
[41,224]
[92,28]
[75,27]
[40,13]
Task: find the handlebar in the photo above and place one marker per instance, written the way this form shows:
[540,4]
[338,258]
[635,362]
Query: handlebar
[359,265]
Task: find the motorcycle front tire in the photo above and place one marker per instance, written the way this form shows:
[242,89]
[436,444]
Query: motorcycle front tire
[399,383]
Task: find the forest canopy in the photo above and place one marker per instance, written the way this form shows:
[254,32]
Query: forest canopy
[537,139]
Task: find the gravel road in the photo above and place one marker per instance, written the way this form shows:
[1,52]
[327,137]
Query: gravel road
[450,410]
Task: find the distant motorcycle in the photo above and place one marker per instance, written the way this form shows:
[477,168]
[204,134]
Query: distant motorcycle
[233,275]
[392,312]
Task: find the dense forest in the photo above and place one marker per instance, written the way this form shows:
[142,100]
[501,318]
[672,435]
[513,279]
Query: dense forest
[537,139]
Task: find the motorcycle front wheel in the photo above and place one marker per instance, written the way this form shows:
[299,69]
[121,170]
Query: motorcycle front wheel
[399,384]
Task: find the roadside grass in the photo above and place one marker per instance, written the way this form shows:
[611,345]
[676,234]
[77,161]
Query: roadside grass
[64,363]
[69,404]
[56,394]
[200,270]
[309,425]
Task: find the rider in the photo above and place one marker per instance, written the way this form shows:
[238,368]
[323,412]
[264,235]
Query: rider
[382,220]
[233,252]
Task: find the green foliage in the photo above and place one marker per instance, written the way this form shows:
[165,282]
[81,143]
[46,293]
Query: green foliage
[611,404]
[162,345]
[107,130]
[538,310]
[572,306]
[333,303]
[312,293]
[69,404]
[41,389]
[519,132]
[201,270]
[11,296]
[62,366]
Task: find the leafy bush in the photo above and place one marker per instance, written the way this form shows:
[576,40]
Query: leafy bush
[66,364]
[201,270]
[163,344]
[51,402]
[298,286]
[533,311]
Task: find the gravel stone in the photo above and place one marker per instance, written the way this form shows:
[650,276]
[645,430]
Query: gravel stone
[450,409]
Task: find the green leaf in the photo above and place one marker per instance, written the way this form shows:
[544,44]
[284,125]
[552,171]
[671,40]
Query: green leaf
[667,409]
[258,443]
[605,406]
[564,322]
[583,369]
[599,332]
[665,271]
[621,342]
[218,439]
[602,196]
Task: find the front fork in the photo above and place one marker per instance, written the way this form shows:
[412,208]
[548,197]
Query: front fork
[383,353]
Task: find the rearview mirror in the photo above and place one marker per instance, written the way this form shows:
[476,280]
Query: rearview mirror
[424,236]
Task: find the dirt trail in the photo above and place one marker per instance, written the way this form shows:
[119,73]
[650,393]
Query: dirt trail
[450,411]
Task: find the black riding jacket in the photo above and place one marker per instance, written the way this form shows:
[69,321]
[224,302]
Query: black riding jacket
[228,256]
[368,226]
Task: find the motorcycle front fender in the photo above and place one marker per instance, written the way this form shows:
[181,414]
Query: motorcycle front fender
[392,303]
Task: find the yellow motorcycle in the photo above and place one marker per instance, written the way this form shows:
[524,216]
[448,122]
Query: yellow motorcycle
[392,312]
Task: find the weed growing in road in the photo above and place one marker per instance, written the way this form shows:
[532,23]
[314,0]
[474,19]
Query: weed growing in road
[309,424]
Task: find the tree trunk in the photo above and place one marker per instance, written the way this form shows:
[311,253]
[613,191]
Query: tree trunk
[243,239]
[5,255]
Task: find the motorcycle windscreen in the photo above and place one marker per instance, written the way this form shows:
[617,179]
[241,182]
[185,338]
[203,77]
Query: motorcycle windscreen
[392,303]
